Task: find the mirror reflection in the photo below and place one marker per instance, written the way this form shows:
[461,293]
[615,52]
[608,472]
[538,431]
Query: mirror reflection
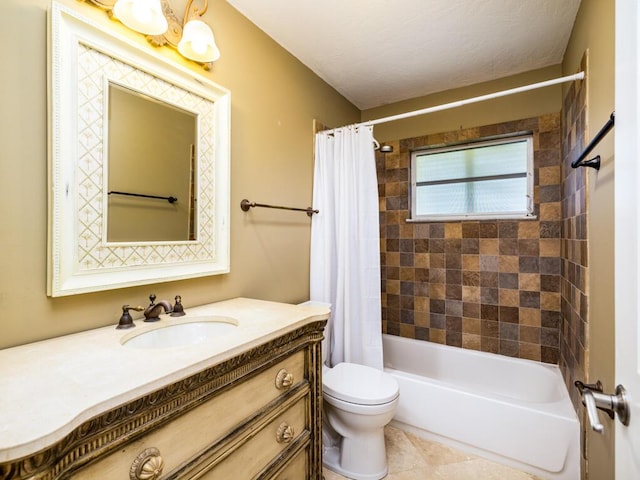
[151,169]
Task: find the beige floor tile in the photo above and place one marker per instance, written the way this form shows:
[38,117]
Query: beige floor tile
[479,469]
[414,458]
[436,454]
[402,453]
[329,475]
[415,474]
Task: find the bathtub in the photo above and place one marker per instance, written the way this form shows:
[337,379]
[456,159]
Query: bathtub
[513,411]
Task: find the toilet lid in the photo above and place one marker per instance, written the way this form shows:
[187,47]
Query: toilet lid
[359,384]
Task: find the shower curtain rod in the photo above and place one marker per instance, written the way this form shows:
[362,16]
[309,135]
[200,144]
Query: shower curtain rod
[459,103]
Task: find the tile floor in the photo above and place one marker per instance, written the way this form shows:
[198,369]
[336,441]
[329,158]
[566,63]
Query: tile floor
[414,458]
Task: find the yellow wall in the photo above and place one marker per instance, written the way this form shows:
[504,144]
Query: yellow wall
[274,101]
[594,30]
[523,105]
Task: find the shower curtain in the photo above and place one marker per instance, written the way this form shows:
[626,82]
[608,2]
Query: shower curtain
[345,245]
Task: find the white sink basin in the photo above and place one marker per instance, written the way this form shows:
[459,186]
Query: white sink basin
[188,332]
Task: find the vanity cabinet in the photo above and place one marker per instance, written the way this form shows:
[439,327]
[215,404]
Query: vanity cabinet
[256,415]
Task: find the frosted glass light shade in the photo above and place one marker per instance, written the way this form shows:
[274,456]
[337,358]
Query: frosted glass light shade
[144,16]
[198,42]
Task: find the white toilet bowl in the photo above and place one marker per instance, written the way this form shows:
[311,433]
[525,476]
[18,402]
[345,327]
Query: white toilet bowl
[358,402]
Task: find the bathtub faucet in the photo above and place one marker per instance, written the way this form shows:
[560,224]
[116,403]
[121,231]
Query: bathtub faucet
[153,311]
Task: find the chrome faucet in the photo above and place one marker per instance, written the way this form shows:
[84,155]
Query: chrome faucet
[153,311]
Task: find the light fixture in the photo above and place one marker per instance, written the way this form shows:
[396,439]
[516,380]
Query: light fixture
[144,16]
[192,37]
[198,43]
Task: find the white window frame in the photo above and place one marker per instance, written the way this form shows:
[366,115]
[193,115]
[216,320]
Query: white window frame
[501,140]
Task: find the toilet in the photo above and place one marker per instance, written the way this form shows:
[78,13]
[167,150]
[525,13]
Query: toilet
[358,402]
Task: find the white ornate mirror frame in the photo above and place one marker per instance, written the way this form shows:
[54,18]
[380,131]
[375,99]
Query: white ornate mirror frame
[83,58]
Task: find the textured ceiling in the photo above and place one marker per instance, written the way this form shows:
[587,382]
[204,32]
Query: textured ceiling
[376,52]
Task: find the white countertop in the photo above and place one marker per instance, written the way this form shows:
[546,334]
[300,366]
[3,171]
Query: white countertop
[48,388]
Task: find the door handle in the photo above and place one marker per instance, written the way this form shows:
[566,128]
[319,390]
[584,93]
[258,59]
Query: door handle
[594,399]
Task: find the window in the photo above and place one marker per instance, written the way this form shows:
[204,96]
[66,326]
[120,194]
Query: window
[479,180]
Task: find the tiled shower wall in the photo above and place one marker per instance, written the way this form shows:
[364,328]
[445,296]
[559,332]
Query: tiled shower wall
[574,302]
[492,286]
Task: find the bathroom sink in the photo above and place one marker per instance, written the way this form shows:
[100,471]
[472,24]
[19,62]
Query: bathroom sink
[188,332]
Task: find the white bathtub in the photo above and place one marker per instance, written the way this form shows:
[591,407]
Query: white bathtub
[515,411]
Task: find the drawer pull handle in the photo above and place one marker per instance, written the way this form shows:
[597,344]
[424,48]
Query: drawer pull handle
[147,465]
[285,433]
[284,379]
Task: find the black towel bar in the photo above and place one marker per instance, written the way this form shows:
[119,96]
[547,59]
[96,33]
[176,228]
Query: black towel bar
[594,162]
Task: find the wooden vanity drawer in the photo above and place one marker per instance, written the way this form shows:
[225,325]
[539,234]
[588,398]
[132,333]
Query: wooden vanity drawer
[255,451]
[198,429]
[296,469]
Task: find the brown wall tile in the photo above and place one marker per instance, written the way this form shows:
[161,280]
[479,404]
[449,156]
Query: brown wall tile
[571,348]
[485,285]
[509,298]
[550,175]
[529,229]
[530,351]
[550,247]
[530,317]
[530,281]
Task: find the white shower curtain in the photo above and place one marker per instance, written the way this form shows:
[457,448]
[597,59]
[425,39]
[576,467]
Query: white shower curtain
[345,245]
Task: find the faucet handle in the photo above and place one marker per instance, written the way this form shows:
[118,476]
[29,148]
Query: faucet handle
[152,298]
[125,320]
[178,309]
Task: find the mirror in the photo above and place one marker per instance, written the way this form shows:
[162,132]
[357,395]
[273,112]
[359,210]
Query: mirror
[151,169]
[107,92]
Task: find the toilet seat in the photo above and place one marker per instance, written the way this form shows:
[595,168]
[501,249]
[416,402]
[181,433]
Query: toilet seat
[359,384]
[359,409]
